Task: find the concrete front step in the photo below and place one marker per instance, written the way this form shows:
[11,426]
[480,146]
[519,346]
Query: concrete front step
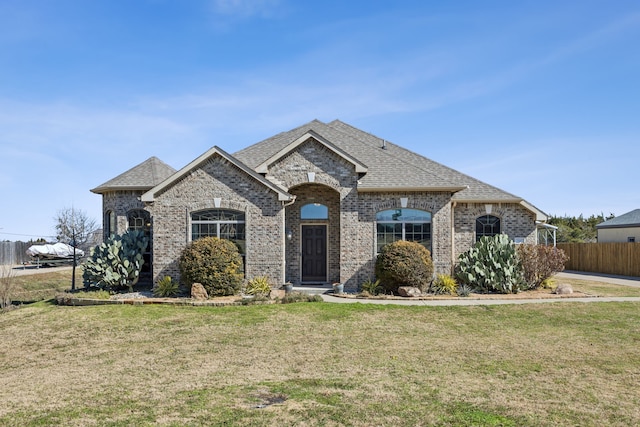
[314,289]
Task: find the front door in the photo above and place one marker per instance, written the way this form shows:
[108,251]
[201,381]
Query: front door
[314,253]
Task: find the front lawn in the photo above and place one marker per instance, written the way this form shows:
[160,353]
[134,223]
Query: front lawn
[321,364]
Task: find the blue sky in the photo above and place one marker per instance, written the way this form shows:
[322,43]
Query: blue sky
[539,98]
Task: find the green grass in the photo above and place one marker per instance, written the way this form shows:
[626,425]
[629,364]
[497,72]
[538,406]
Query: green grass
[321,364]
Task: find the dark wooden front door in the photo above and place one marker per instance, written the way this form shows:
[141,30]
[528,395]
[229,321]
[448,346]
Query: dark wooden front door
[314,253]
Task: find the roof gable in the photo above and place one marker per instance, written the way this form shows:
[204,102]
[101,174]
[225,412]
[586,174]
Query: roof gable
[264,166]
[140,177]
[150,195]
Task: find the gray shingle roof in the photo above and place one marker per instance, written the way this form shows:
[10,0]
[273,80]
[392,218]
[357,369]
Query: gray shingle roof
[630,219]
[391,168]
[150,195]
[141,177]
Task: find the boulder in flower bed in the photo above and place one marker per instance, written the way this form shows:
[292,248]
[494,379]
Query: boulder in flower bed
[409,291]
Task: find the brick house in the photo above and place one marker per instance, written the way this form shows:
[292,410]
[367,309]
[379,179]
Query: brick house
[312,205]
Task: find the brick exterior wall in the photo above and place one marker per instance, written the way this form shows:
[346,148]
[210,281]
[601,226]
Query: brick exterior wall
[438,204]
[351,225]
[515,221]
[217,178]
[121,203]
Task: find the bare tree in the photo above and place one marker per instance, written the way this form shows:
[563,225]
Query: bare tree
[73,226]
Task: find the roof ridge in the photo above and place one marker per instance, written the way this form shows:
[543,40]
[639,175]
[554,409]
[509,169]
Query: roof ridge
[278,135]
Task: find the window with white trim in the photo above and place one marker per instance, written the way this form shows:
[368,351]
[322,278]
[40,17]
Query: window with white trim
[222,223]
[413,225]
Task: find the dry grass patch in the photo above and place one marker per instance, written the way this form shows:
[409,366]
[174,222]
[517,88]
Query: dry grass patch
[43,284]
[600,288]
[321,364]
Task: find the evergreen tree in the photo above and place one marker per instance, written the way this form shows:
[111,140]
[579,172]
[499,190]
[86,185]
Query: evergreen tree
[577,229]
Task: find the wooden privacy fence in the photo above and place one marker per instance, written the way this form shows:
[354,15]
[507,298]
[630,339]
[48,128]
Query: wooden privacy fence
[12,253]
[607,258]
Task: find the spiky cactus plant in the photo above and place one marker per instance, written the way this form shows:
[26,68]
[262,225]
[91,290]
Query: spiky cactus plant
[491,265]
[116,263]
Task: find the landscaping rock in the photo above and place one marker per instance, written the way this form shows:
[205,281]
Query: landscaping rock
[276,293]
[199,292]
[564,289]
[409,291]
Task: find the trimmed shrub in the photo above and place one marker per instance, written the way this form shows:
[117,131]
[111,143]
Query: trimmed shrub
[491,265]
[116,263]
[444,284]
[539,263]
[404,263]
[213,262]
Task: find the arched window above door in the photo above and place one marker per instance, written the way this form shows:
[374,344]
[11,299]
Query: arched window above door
[314,211]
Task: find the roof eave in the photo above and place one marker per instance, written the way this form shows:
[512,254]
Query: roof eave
[412,189]
[102,190]
[601,226]
[540,216]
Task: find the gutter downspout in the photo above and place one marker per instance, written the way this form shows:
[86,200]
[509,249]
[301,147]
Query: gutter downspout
[284,238]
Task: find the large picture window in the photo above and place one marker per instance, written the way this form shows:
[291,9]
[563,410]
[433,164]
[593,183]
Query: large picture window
[413,225]
[487,225]
[222,223]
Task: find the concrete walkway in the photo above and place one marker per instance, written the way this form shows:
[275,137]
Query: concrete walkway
[471,301]
[26,270]
[617,280]
[597,277]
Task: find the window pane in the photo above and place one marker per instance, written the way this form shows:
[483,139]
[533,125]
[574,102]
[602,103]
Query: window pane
[314,211]
[416,224]
[388,233]
[419,233]
[222,223]
[487,225]
[404,215]
[139,220]
[217,215]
